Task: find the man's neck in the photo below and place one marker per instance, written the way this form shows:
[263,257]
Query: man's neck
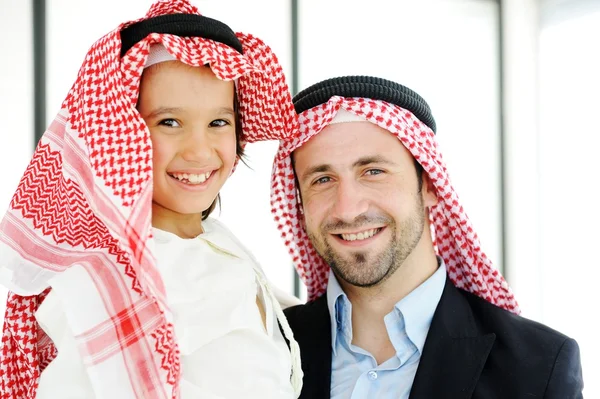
[370,305]
[380,299]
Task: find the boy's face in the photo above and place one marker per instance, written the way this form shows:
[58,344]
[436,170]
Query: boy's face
[192,125]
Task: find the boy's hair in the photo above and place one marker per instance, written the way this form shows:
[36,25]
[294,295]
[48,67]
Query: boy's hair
[239,151]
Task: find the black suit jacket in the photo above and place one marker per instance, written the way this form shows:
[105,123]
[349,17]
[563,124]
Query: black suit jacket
[473,350]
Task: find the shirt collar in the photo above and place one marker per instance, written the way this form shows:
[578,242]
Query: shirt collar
[417,308]
[215,234]
[335,293]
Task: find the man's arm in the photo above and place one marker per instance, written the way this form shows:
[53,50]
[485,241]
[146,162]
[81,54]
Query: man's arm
[566,380]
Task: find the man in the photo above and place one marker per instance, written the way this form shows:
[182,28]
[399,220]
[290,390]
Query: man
[403,303]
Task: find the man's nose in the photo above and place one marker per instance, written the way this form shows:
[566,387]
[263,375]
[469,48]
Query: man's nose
[350,201]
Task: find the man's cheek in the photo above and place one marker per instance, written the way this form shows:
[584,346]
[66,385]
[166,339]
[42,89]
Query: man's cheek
[311,223]
[310,226]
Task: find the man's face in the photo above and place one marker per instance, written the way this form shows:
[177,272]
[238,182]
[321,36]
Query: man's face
[363,209]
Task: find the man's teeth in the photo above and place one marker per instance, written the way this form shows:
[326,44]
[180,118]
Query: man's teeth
[360,236]
[192,178]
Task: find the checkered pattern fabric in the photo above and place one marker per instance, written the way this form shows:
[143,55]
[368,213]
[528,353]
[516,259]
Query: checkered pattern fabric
[83,211]
[454,238]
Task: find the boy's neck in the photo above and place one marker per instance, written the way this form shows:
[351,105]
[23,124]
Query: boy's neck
[184,226]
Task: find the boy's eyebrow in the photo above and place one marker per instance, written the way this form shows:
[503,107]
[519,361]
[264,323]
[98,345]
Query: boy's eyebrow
[163,110]
[226,110]
[173,110]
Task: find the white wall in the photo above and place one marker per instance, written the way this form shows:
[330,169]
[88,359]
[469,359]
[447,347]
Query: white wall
[551,99]
[16,100]
[570,176]
[521,64]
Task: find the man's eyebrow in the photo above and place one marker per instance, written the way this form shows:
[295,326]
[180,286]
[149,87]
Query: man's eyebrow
[314,170]
[378,159]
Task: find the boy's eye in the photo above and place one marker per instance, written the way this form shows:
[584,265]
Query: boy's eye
[169,123]
[219,123]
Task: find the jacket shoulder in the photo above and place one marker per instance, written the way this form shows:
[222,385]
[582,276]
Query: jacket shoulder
[506,325]
[537,354]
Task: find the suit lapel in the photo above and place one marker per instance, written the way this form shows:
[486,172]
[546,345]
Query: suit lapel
[314,338]
[454,353]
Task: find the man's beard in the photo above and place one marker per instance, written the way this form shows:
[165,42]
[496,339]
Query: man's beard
[366,268]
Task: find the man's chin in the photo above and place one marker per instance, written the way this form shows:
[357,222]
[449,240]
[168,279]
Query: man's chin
[357,272]
[357,279]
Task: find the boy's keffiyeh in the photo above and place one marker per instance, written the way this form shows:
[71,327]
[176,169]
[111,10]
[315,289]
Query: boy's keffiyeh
[82,211]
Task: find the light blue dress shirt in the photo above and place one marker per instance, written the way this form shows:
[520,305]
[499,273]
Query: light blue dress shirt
[354,371]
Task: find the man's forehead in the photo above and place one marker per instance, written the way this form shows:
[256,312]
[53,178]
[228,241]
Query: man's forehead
[353,135]
[343,116]
[349,143]
[362,126]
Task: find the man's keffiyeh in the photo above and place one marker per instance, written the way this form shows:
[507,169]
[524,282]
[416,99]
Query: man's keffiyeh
[406,115]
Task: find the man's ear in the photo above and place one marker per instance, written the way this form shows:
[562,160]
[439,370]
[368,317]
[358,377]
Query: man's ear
[297,183]
[428,192]
[299,200]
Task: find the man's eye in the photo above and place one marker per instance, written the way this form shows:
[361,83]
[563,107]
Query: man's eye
[322,180]
[374,172]
[219,123]
[169,123]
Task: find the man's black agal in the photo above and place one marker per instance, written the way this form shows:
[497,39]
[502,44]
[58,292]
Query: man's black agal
[366,87]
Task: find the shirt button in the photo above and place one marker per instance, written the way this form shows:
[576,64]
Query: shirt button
[372,375]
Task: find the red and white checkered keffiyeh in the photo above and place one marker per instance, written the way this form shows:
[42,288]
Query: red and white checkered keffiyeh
[454,238]
[83,208]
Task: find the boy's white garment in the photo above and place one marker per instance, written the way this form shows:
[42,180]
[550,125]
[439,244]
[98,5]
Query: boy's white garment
[212,283]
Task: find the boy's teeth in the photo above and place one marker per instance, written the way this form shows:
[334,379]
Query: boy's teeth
[360,236]
[192,178]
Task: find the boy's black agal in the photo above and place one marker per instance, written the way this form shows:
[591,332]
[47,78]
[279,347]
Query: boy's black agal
[184,25]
